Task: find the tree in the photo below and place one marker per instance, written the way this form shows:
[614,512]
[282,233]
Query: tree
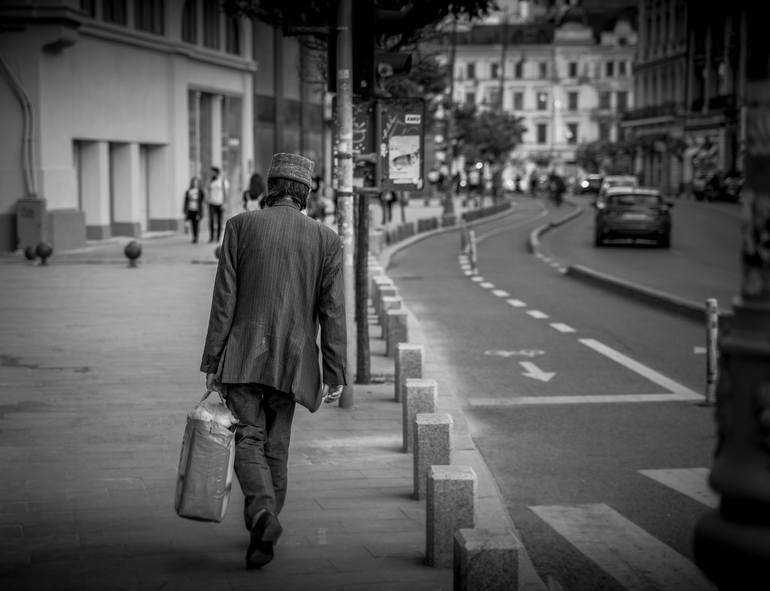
[605,156]
[486,135]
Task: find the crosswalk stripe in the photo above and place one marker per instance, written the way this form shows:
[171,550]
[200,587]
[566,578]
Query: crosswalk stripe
[633,557]
[692,482]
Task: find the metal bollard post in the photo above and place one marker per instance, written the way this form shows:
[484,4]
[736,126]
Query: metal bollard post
[712,336]
[472,248]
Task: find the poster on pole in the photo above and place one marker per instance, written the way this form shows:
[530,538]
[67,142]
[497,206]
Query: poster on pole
[402,143]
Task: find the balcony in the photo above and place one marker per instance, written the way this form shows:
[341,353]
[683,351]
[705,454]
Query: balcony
[669,109]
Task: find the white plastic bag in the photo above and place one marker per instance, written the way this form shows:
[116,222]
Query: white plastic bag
[205,473]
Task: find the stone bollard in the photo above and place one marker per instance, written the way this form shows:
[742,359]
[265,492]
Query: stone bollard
[383,290]
[432,447]
[420,396]
[486,560]
[374,288]
[408,365]
[395,320]
[449,507]
[388,303]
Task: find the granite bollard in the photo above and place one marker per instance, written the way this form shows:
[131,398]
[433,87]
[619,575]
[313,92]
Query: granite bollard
[395,320]
[384,291]
[388,303]
[449,507]
[486,560]
[420,396]
[432,447]
[409,359]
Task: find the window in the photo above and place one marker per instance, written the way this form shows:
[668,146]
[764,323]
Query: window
[494,70]
[622,101]
[518,70]
[89,7]
[572,133]
[470,98]
[572,101]
[148,16]
[604,131]
[233,36]
[493,96]
[609,69]
[543,70]
[470,70]
[604,100]
[190,22]
[542,101]
[572,68]
[518,101]
[114,11]
[211,23]
[623,68]
[542,133]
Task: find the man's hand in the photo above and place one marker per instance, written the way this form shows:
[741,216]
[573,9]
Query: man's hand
[213,383]
[331,393]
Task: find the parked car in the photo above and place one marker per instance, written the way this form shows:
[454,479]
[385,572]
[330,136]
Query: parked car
[590,184]
[635,213]
[615,180]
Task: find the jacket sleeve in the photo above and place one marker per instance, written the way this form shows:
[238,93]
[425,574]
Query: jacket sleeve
[222,301]
[184,203]
[331,315]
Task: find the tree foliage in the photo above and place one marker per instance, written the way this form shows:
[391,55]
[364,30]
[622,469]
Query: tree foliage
[605,156]
[486,135]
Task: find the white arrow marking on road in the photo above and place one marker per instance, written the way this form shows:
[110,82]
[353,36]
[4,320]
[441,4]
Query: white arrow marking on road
[534,372]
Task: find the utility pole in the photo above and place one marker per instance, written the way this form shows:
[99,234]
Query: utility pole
[732,542]
[449,200]
[344,191]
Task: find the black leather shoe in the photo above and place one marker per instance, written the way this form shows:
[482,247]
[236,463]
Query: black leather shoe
[265,534]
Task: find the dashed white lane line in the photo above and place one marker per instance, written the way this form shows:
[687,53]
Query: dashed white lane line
[692,482]
[537,314]
[500,293]
[487,285]
[561,327]
[468,273]
[677,389]
[577,399]
[632,556]
[516,303]
[477,279]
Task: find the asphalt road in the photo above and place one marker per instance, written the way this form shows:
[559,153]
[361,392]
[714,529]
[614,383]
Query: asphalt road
[586,405]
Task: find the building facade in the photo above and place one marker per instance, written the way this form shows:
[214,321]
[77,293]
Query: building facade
[569,82]
[110,107]
[689,84]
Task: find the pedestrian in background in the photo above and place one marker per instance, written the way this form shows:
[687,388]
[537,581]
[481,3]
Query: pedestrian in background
[217,197]
[194,199]
[252,197]
[387,199]
[317,207]
[279,279]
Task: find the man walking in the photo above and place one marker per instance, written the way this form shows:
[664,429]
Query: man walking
[279,279]
[218,188]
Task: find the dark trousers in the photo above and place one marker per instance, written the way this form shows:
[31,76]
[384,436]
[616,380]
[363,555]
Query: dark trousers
[215,222]
[194,219]
[261,446]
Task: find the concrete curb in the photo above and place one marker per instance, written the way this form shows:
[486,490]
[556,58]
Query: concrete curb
[680,306]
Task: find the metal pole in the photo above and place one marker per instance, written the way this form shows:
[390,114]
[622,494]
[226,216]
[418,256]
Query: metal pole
[472,243]
[345,181]
[712,335]
[449,200]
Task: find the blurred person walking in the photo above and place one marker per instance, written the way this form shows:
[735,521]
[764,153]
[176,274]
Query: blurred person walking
[252,197]
[279,280]
[194,199]
[217,197]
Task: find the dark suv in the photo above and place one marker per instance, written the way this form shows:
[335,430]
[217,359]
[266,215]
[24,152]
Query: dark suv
[633,213]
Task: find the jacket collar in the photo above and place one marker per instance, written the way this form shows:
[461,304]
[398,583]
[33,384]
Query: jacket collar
[286,202]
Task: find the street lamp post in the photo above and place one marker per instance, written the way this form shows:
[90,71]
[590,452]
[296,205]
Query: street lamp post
[732,543]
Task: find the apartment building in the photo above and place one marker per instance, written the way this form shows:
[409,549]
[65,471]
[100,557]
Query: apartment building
[689,83]
[569,81]
[109,107]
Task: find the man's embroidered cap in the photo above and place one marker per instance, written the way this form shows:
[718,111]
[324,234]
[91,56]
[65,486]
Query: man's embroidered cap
[293,167]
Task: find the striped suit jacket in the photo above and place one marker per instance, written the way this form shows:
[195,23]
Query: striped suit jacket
[279,279]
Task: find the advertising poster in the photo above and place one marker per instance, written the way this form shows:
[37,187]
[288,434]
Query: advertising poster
[404,159]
